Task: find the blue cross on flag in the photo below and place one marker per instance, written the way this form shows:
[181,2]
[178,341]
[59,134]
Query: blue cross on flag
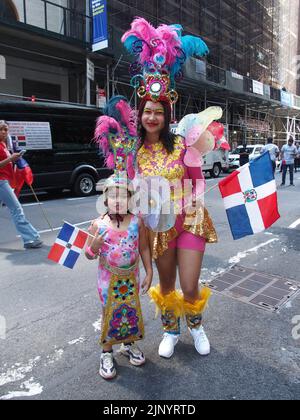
[68,246]
[250,197]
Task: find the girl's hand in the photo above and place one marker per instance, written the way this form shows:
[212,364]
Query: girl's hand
[97,242]
[147,283]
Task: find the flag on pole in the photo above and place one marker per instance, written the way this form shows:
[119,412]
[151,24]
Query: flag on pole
[68,246]
[250,197]
[23,173]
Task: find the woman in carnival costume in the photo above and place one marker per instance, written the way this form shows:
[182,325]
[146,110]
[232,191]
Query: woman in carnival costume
[161,53]
[119,239]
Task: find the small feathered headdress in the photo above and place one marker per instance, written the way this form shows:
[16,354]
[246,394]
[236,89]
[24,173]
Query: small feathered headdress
[116,135]
[161,54]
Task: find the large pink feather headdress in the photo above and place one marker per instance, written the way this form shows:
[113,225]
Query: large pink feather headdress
[161,53]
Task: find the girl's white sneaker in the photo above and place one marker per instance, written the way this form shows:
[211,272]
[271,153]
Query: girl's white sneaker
[134,353]
[107,368]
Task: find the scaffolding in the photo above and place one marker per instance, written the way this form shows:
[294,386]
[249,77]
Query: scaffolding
[255,38]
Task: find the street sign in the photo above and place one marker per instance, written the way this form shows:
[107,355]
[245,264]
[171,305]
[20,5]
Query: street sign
[100,28]
[2,67]
[258,87]
[90,69]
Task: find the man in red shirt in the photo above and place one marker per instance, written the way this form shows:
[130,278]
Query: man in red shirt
[29,234]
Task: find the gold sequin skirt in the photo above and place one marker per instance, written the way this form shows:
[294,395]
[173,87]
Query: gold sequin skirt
[199,224]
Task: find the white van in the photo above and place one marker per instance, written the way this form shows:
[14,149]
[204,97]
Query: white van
[253,150]
[216,162]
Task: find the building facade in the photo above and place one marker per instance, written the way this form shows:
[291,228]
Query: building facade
[43,48]
[253,69]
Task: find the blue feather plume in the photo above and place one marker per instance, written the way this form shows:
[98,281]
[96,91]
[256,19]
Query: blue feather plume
[194,46]
[129,43]
[111,111]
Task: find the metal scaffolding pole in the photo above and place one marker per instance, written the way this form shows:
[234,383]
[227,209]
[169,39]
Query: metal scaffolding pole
[108,82]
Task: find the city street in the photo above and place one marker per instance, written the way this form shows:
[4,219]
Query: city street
[50,348]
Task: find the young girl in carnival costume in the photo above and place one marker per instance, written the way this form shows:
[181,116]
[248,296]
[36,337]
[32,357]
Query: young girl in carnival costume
[160,55]
[119,239]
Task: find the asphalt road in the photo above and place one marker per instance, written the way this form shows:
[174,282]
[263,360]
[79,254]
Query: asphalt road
[51,314]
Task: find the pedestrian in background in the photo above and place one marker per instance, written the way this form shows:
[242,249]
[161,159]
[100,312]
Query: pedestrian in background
[273,151]
[297,160]
[244,155]
[28,233]
[288,155]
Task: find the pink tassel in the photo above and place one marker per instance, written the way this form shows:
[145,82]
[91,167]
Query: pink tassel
[141,29]
[104,144]
[110,161]
[133,123]
[105,125]
[130,168]
[171,42]
[125,110]
[144,31]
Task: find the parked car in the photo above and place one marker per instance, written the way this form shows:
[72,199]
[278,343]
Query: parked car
[253,150]
[59,144]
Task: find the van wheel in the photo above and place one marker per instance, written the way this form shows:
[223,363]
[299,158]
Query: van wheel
[84,185]
[216,171]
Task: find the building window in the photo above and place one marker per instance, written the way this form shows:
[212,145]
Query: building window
[41,90]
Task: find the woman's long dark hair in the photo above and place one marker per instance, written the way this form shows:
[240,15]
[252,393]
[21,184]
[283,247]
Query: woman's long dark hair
[167,138]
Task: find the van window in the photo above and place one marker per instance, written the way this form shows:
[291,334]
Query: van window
[41,90]
[72,135]
[249,150]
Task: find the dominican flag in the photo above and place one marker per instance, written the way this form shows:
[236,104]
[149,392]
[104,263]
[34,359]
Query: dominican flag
[68,246]
[250,197]
[23,172]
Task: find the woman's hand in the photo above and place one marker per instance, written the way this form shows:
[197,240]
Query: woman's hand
[14,157]
[97,243]
[147,283]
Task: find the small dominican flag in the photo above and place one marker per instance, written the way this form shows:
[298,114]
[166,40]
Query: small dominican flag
[68,246]
[250,197]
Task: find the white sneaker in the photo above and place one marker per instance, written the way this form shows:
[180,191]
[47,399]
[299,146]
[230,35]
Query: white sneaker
[136,356]
[167,346]
[107,367]
[201,341]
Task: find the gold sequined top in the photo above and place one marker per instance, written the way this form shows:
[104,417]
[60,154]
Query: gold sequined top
[154,160]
